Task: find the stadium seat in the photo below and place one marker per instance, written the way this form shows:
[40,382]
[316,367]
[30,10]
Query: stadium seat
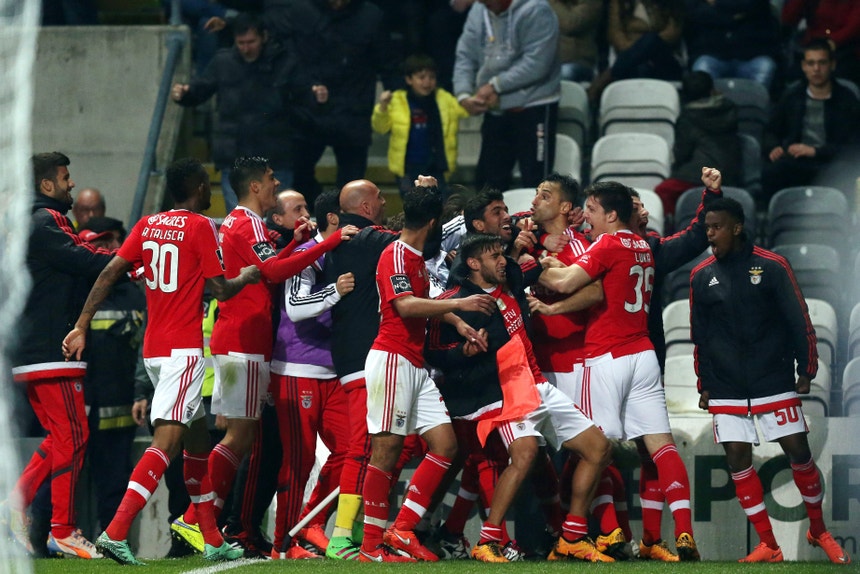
[636,160]
[752,100]
[688,203]
[676,326]
[640,105]
[574,113]
[817,269]
[750,164]
[854,333]
[469,142]
[853,291]
[810,214]
[823,318]
[568,158]
[654,205]
[851,388]
[519,199]
[817,402]
[682,395]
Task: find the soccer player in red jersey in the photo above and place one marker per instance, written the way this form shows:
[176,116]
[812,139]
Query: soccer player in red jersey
[621,386]
[177,253]
[242,339]
[401,397]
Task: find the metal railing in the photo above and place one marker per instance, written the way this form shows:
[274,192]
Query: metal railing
[175,43]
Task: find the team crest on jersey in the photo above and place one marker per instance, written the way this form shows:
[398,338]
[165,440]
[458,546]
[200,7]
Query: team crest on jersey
[626,242]
[755,275]
[307,399]
[78,387]
[400,419]
[400,283]
[264,250]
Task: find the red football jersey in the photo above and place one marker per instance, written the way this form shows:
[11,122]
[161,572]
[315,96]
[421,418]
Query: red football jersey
[177,250]
[510,310]
[620,323]
[401,271]
[560,339]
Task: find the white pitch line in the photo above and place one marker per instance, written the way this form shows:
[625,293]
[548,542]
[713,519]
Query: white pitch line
[222,567]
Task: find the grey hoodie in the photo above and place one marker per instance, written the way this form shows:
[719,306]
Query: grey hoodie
[516,51]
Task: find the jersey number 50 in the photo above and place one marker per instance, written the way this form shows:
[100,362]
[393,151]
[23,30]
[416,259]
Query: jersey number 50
[644,284]
[163,266]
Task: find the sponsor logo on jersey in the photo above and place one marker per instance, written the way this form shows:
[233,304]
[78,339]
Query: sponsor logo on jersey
[400,283]
[713,282]
[264,250]
[755,275]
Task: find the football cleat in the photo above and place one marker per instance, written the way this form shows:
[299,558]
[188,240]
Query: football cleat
[73,545]
[18,524]
[657,551]
[454,546]
[613,544]
[490,551]
[513,552]
[383,553]
[188,533]
[295,552]
[342,548]
[224,553]
[686,547]
[582,549]
[117,550]
[406,543]
[315,536]
[826,542]
[763,553]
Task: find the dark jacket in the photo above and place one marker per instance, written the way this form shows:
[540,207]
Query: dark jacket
[841,116]
[345,50]
[472,382]
[731,29]
[707,134]
[254,103]
[750,323]
[355,318]
[670,253]
[63,268]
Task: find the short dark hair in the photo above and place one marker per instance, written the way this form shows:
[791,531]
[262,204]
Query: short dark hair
[45,166]
[420,205]
[570,190]
[418,63]
[245,22]
[697,85]
[325,203]
[182,176]
[613,196]
[821,44]
[474,244]
[245,170]
[730,206]
[476,206]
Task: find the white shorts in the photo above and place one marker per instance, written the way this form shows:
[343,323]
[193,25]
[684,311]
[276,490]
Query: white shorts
[624,396]
[401,398]
[178,382]
[568,383]
[556,419]
[774,426]
[241,384]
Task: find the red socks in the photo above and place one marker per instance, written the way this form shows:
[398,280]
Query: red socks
[808,482]
[424,483]
[750,494]
[143,482]
[651,498]
[574,527]
[223,464]
[200,491]
[376,487]
[675,486]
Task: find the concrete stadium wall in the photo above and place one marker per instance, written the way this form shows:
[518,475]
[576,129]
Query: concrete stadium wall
[95,90]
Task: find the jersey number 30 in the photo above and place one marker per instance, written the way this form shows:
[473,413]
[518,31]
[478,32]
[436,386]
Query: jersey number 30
[644,284]
[163,266]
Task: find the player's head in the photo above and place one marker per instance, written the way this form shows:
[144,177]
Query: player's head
[362,197]
[252,175]
[421,205]
[639,219]
[608,207]
[485,258]
[724,225]
[51,176]
[487,213]
[290,206]
[555,197]
[327,209]
[188,180]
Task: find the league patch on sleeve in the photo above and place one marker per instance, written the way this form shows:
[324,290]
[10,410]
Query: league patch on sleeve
[400,283]
[264,250]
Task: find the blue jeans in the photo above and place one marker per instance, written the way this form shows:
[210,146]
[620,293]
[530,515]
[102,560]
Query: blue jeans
[760,69]
[285,176]
[576,72]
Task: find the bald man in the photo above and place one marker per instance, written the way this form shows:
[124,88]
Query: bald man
[89,203]
[291,206]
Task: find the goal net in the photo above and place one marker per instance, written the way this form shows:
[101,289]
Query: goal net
[18,34]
